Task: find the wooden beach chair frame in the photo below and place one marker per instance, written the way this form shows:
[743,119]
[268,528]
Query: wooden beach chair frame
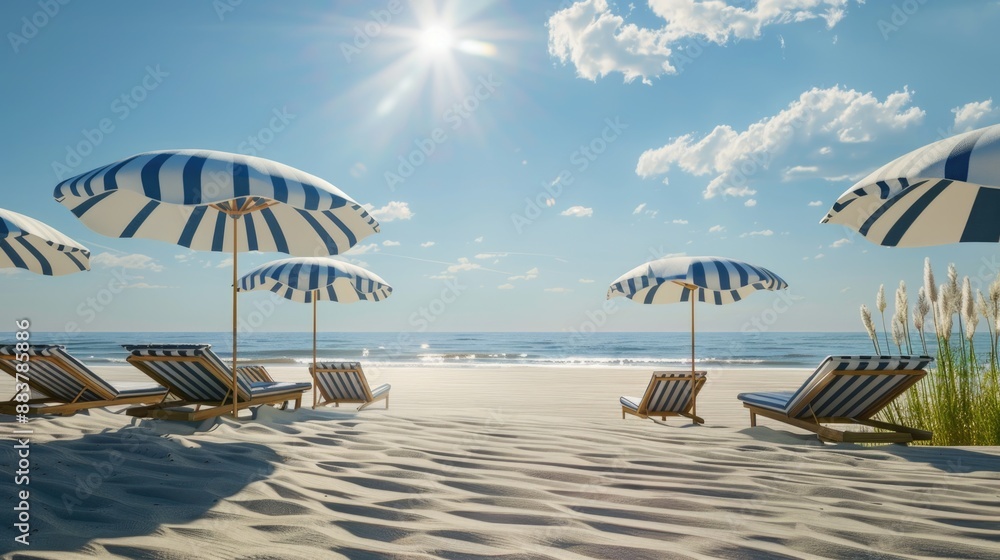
[203,409]
[349,368]
[658,378]
[801,415]
[93,392]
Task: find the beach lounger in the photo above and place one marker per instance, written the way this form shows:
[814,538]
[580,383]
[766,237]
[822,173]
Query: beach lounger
[254,374]
[345,383]
[845,389]
[202,383]
[67,385]
[668,394]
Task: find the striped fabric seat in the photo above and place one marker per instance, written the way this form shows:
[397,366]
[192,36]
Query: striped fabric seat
[843,389]
[254,374]
[197,376]
[668,394]
[345,382]
[60,378]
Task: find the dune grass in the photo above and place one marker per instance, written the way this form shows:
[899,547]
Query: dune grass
[959,399]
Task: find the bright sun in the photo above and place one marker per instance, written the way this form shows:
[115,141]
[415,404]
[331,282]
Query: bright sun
[436,39]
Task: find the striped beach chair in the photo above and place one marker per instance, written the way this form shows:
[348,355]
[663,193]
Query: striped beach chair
[668,394]
[254,374]
[66,385]
[345,382]
[202,383]
[845,390]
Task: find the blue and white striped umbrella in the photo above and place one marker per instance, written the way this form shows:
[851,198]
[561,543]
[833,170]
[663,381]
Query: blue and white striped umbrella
[29,244]
[190,197]
[217,201]
[946,192]
[311,279]
[713,280]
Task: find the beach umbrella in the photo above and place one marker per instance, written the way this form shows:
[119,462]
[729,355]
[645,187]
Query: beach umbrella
[712,280]
[217,201]
[29,244]
[946,192]
[311,279]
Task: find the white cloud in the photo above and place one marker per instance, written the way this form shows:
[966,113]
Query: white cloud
[819,256]
[558,290]
[505,287]
[478,239]
[427,244]
[388,243]
[395,210]
[816,203]
[639,208]
[750,203]
[530,275]
[144,286]
[464,264]
[761,233]
[484,256]
[971,115]
[840,243]
[598,41]
[733,157]
[133,261]
[362,249]
[681,222]
[825,150]
[578,212]
[586,281]
[800,170]
[716,229]
[225,263]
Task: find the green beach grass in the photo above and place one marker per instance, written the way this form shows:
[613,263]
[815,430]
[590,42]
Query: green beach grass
[959,399]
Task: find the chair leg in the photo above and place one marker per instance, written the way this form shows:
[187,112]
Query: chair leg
[753,419]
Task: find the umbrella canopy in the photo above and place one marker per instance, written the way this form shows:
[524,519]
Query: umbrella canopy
[308,279]
[189,197]
[713,280]
[29,244]
[945,192]
[311,279]
[217,201]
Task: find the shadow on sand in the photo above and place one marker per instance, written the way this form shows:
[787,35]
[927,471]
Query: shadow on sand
[82,489]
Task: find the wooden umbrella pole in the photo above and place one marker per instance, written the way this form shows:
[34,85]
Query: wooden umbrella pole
[235,257]
[314,347]
[694,381]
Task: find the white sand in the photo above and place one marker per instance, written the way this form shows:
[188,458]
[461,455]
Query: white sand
[511,463]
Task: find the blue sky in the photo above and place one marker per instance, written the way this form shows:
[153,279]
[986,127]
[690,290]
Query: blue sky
[568,142]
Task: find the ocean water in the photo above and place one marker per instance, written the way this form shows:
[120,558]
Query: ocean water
[647,350]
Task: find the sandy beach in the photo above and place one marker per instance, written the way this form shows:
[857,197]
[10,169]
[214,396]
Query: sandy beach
[509,463]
